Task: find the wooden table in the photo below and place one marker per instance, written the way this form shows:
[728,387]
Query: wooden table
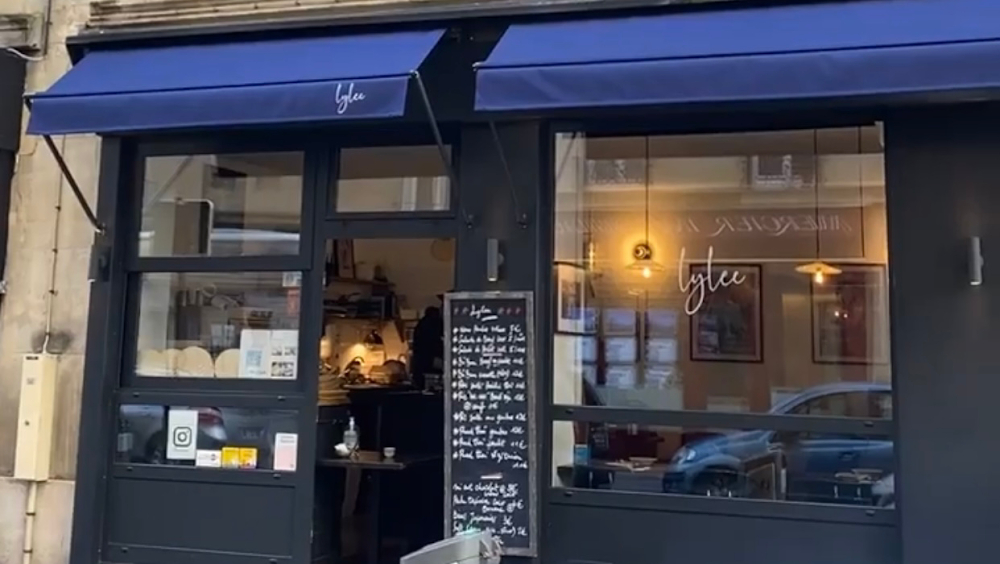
[376,464]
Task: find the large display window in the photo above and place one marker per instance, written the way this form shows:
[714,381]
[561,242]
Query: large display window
[722,274]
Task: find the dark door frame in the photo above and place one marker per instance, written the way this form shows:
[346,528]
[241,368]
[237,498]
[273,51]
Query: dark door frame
[113,314]
[12,75]
[8,158]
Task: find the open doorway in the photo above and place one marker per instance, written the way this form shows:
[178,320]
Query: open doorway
[379,476]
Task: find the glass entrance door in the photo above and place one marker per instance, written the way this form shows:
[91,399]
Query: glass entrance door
[214,412]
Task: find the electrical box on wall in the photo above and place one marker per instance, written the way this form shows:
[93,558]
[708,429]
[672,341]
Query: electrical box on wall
[36,417]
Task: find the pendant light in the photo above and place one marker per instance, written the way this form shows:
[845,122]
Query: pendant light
[818,270]
[642,253]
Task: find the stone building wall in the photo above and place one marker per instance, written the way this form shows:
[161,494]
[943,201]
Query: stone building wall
[48,249]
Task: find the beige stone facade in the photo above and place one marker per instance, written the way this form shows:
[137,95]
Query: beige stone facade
[48,250]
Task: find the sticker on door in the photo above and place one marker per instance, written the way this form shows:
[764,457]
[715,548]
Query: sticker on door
[182,434]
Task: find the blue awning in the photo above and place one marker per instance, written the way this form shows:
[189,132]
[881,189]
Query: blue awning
[253,83]
[844,49]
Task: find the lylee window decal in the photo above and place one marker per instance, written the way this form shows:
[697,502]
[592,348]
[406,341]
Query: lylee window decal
[701,282]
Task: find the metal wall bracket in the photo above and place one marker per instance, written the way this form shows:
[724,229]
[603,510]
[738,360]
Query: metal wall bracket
[519,216]
[445,159]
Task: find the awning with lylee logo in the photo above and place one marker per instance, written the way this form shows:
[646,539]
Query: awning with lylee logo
[740,54]
[288,81]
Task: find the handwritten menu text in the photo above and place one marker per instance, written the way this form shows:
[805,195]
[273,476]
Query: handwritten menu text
[490,439]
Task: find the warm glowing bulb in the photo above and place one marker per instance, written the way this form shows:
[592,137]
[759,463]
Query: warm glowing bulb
[646,272]
[818,277]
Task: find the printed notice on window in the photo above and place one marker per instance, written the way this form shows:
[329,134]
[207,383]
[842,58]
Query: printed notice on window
[286,451]
[269,354]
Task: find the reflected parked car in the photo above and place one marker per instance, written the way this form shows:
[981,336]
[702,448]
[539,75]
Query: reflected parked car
[142,437]
[799,466]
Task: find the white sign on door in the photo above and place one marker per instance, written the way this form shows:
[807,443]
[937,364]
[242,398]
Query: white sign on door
[182,434]
[286,451]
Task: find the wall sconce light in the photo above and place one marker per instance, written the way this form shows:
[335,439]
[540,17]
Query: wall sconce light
[975,262]
[494,260]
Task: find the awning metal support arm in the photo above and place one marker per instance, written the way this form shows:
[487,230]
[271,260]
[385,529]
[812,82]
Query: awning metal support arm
[91,216]
[519,216]
[445,159]
[70,179]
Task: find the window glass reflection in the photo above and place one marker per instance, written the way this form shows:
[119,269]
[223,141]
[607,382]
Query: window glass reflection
[210,437]
[222,205]
[219,325]
[833,468]
[723,272]
[392,179]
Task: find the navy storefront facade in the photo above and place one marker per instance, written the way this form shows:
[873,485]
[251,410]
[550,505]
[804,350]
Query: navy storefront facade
[856,137]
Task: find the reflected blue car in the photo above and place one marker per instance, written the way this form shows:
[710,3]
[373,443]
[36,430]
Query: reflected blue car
[797,466]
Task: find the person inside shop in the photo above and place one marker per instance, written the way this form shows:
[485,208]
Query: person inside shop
[428,346]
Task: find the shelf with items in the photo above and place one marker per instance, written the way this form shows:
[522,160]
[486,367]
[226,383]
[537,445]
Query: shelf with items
[373,308]
[339,281]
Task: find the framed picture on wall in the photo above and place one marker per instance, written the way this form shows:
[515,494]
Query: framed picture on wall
[345,258]
[571,315]
[850,316]
[727,325]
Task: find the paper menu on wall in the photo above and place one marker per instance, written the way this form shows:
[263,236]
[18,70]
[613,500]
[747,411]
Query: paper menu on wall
[269,354]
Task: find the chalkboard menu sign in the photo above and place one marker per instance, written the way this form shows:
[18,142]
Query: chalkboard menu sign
[489,427]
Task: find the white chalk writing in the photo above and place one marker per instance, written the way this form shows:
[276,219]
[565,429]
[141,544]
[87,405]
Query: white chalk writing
[346,97]
[488,389]
[701,283]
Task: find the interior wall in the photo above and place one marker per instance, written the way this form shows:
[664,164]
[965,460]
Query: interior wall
[419,270]
[414,266]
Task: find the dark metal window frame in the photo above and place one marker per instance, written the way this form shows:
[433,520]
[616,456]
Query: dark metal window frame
[413,136]
[687,125]
[112,336]
[137,266]
[113,318]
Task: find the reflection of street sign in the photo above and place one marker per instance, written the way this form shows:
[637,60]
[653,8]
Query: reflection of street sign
[182,433]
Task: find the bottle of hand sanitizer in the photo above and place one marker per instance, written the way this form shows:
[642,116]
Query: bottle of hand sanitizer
[351,436]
